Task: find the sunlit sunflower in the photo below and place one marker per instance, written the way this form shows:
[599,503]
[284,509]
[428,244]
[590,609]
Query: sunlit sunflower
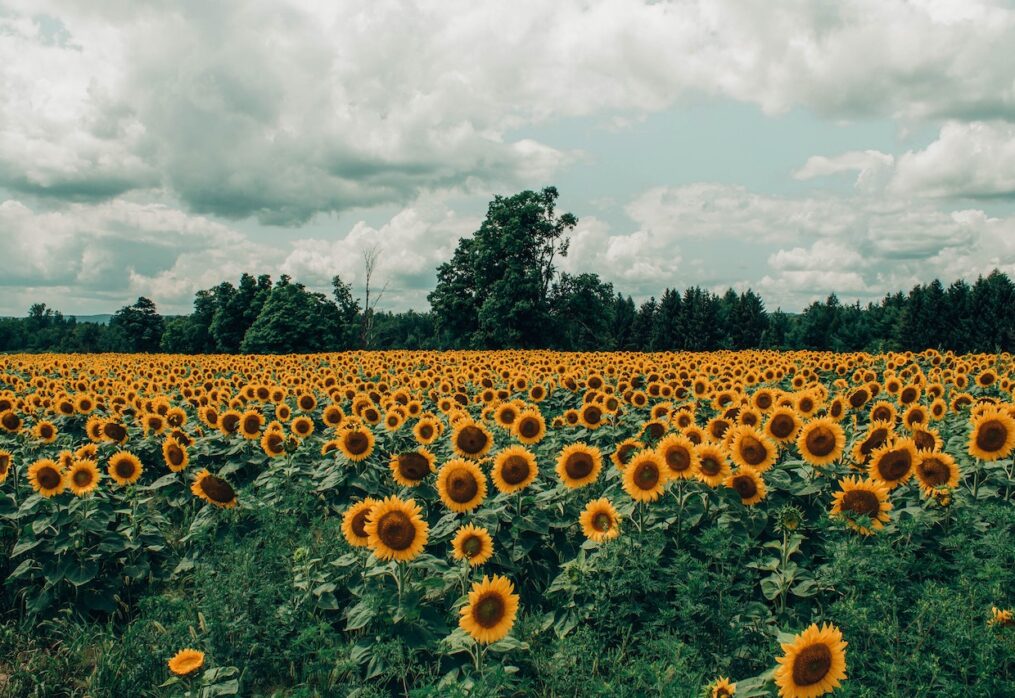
[579,464]
[514,469]
[251,423]
[302,427]
[491,610]
[992,435]
[748,484]
[124,467]
[821,441]
[471,439]
[712,466]
[175,455]
[45,431]
[893,464]
[410,468]
[592,416]
[45,477]
[354,522]
[472,543]
[678,455]
[505,415]
[600,521]
[461,485]
[426,431]
[395,529]
[529,427]
[186,662]
[751,448]
[214,490]
[722,688]
[356,443]
[83,477]
[812,664]
[883,411]
[862,498]
[935,471]
[645,476]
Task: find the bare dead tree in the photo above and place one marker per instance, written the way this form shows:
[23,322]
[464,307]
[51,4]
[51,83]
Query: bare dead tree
[370,258]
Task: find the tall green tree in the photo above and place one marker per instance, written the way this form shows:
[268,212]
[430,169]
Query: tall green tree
[140,324]
[582,308]
[293,320]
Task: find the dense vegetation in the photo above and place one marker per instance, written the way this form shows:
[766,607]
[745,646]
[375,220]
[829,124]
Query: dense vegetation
[304,524]
[502,289]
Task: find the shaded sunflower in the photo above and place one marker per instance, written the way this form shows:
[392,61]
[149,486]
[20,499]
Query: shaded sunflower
[186,662]
[214,490]
[124,467]
[878,434]
[356,443]
[992,435]
[713,467]
[410,468]
[579,464]
[862,498]
[821,441]
[229,422]
[461,485]
[812,664]
[678,455]
[749,447]
[175,455]
[491,610]
[471,439]
[600,521]
[354,522]
[395,530]
[6,459]
[936,470]
[472,543]
[722,688]
[529,427]
[45,477]
[927,439]
[82,477]
[748,484]
[621,455]
[114,431]
[893,464]
[514,469]
[645,476]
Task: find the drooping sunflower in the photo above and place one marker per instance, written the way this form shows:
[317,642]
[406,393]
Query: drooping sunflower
[893,464]
[471,439]
[813,664]
[936,470]
[46,478]
[645,476]
[83,477]
[6,459]
[354,522]
[410,468]
[579,464]
[356,442]
[491,610]
[186,662]
[713,467]
[472,543]
[862,498]
[395,530]
[461,485]
[748,484]
[600,521]
[749,447]
[529,427]
[514,469]
[125,468]
[878,434]
[678,454]
[214,490]
[992,435]
[821,441]
[175,455]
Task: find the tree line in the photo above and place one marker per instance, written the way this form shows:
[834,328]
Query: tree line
[502,289]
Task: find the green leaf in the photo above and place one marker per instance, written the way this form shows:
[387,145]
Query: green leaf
[82,573]
[359,616]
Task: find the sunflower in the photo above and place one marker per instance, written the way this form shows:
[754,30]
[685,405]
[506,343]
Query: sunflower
[472,543]
[186,662]
[491,610]
[411,467]
[591,416]
[46,478]
[883,411]
[354,523]
[461,485]
[44,431]
[878,434]
[229,422]
[751,448]
[273,443]
[514,469]
[529,427]
[579,465]
[10,421]
[6,458]
[621,455]
[1001,618]
[645,476]
[936,470]
[600,521]
[124,467]
[395,530]
[722,688]
[302,426]
[677,454]
[115,432]
[426,430]
[250,424]
[175,454]
[992,435]
[214,490]
[356,443]
[713,468]
[748,484]
[813,664]
[893,464]
[927,439]
[782,425]
[821,441]
[862,498]
[471,439]
[83,477]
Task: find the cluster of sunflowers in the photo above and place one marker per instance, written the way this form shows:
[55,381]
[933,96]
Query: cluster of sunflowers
[616,431]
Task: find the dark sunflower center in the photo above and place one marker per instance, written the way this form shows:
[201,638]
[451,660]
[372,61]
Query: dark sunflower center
[858,398]
[991,436]
[924,440]
[251,424]
[230,423]
[175,455]
[861,502]
[515,470]
[782,426]
[710,466]
[82,477]
[306,403]
[745,486]
[820,441]
[46,431]
[811,665]
[217,489]
[876,440]
[5,463]
[601,522]
[882,414]
[593,414]
[11,421]
[894,465]
[359,522]
[489,610]
[275,441]
[934,472]
[426,431]
[114,431]
[678,458]
[471,439]
[48,477]
[763,401]
[413,466]
[528,428]
[396,530]
[752,451]
[907,396]
[578,465]
[719,428]
[646,475]
[806,405]
[462,486]
[472,546]
[356,442]
[124,468]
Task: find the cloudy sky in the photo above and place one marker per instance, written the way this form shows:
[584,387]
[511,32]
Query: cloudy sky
[797,147]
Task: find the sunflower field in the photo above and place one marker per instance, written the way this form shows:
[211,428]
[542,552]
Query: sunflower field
[508,523]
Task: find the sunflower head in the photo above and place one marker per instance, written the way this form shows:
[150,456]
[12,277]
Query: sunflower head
[713,467]
[678,454]
[354,523]
[821,441]
[471,439]
[750,447]
[125,468]
[491,610]
[46,477]
[600,521]
[529,427]
[862,504]
[356,442]
[214,490]
[395,530]
[992,435]
[748,485]
[935,471]
[410,468]
[514,469]
[579,464]
[812,664]
[472,543]
[186,662]
[645,476]
[893,464]
[461,485]
[82,477]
